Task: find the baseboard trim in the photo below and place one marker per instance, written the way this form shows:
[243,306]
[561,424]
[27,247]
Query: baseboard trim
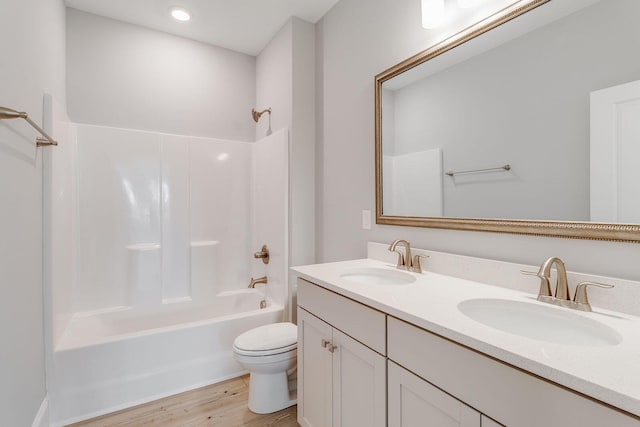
[42,416]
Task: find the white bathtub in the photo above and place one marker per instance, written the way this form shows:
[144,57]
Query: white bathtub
[112,360]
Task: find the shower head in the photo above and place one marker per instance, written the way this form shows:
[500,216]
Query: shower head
[8,113]
[256,115]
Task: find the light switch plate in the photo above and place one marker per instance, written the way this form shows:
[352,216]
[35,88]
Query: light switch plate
[366,220]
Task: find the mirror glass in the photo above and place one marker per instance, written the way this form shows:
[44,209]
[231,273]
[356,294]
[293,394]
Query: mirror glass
[537,119]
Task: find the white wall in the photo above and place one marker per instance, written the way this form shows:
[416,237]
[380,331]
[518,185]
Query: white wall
[303,145]
[274,69]
[270,213]
[32,63]
[160,217]
[59,195]
[285,76]
[356,40]
[127,76]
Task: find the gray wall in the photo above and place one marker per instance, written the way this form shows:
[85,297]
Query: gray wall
[123,75]
[286,82]
[525,103]
[285,73]
[28,69]
[358,39]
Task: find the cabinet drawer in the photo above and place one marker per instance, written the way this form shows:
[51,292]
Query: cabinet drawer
[505,393]
[357,320]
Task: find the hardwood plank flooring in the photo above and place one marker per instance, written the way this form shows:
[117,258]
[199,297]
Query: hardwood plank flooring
[223,404]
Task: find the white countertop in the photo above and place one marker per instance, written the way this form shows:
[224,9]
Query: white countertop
[610,374]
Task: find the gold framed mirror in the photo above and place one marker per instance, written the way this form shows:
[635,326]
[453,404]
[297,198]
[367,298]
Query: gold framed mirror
[488,131]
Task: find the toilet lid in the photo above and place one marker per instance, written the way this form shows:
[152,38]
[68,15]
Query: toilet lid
[268,337]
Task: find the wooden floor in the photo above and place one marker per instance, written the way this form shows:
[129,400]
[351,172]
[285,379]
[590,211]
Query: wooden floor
[223,404]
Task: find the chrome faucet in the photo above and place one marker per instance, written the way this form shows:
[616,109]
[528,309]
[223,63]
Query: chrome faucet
[544,274]
[259,280]
[562,285]
[562,294]
[404,260]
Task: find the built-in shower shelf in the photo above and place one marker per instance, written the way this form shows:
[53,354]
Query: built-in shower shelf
[144,246]
[201,243]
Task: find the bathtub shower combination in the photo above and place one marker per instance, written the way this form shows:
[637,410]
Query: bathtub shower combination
[149,250]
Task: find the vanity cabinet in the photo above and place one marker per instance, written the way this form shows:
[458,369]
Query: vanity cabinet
[341,378]
[358,366]
[413,402]
[502,392]
[315,371]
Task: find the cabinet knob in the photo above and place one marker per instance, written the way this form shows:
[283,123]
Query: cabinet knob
[327,344]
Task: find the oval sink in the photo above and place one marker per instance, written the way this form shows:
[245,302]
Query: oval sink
[378,276]
[540,322]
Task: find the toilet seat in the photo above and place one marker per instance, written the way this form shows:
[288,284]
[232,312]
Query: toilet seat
[263,353]
[267,340]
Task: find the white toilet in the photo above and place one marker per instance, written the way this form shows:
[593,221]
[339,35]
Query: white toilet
[269,354]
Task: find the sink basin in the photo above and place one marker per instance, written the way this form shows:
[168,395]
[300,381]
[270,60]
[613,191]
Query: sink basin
[378,276]
[540,322]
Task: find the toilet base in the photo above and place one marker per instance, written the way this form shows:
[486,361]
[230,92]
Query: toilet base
[270,393]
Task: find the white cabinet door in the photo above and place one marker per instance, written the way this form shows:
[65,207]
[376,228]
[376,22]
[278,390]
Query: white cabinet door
[359,384]
[341,382]
[314,371]
[414,402]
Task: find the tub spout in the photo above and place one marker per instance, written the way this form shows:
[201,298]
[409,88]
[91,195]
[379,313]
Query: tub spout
[254,282]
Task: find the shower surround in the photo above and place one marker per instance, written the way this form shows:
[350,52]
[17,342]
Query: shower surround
[148,253]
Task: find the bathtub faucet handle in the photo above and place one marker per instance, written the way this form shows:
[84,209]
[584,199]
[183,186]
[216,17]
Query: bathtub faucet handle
[264,254]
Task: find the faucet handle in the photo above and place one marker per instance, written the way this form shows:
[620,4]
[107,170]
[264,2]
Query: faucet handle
[264,254]
[581,298]
[416,267]
[544,293]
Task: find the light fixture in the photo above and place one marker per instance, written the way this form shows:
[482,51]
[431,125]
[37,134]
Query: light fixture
[432,13]
[180,14]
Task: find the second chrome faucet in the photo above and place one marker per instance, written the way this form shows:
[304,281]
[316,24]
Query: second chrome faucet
[405,261]
[562,294]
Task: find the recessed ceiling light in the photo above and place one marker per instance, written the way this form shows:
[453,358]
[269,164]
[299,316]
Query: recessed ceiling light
[180,14]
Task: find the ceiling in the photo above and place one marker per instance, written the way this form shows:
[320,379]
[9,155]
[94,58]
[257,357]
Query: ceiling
[242,25]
